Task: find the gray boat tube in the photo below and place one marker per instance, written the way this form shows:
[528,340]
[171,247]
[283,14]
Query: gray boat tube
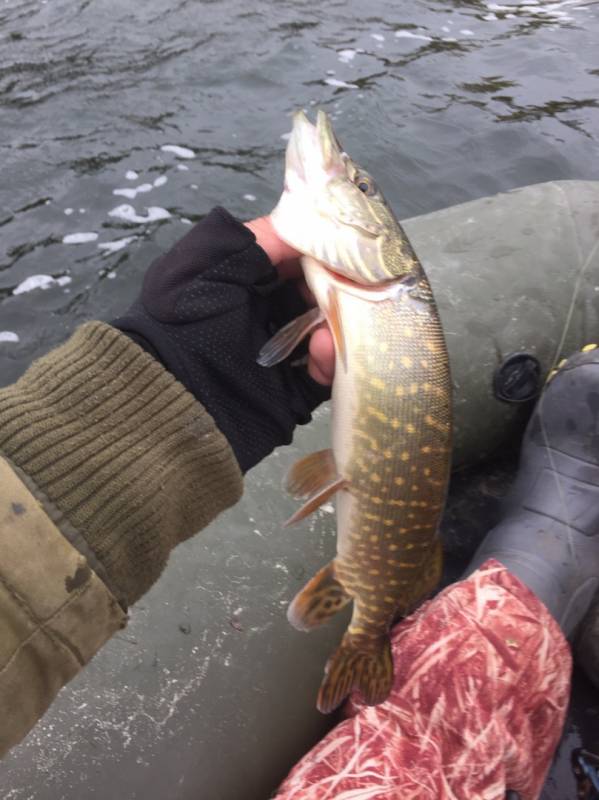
[517,273]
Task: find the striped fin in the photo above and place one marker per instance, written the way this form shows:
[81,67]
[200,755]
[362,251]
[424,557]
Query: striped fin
[320,599]
[287,339]
[311,473]
[355,667]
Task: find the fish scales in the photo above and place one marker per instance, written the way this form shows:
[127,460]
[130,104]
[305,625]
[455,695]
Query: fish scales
[396,468]
[391,404]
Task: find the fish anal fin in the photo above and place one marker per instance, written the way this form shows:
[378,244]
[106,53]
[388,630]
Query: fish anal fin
[357,665]
[316,500]
[311,473]
[334,320]
[287,339]
[319,600]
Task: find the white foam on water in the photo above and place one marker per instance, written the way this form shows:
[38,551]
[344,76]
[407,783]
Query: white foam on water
[40,282]
[82,211]
[286,136]
[346,56]
[410,35]
[490,16]
[129,214]
[8,336]
[250,197]
[180,152]
[186,221]
[134,191]
[116,245]
[330,71]
[183,167]
[131,175]
[340,84]
[377,37]
[111,275]
[160,180]
[68,211]
[466,32]
[79,238]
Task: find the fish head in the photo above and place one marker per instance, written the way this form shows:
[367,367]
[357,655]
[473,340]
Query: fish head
[332,209]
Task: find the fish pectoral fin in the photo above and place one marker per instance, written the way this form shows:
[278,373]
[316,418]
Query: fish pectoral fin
[365,666]
[316,500]
[320,599]
[311,473]
[287,339]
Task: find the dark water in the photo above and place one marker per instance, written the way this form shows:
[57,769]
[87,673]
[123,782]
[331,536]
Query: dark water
[442,101]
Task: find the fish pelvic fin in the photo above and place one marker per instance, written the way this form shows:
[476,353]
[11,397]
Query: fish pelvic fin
[319,600]
[287,339]
[316,500]
[359,664]
[311,473]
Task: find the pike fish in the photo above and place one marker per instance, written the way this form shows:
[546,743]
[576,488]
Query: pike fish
[388,467]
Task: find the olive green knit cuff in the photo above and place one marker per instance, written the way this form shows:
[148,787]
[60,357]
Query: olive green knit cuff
[120,449]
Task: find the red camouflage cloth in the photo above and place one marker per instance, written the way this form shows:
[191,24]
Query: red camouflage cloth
[481,688]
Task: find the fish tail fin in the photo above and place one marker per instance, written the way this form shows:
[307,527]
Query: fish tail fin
[358,664]
[320,599]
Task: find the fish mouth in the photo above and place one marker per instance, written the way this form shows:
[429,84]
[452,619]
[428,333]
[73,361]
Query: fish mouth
[314,153]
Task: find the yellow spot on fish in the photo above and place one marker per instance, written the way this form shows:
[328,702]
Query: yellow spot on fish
[406,362]
[426,471]
[374,538]
[388,599]
[388,522]
[410,515]
[383,347]
[413,388]
[404,530]
[399,481]
[377,383]
[399,391]
[410,428]
[374,412]
[415,487]
[426,449]
[407,332]
[405,455]
[366,528]
[588,347]
[374,572]
[392,547]
[375,478]
[432,347]
[395,423]
[388,454]
[409,546]
[424,364]
[398,503]
[377,500]
[373,517]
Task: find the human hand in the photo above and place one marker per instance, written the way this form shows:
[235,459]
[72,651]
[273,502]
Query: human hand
[206,309]
[321,355]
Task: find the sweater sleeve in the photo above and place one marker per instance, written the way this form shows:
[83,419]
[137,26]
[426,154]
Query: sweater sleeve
[106,463]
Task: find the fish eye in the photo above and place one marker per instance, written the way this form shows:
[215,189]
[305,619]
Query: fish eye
[366,185]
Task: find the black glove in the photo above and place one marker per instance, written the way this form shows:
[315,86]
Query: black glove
[205,310]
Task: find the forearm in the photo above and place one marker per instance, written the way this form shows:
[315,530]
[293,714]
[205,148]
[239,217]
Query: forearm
[107,463]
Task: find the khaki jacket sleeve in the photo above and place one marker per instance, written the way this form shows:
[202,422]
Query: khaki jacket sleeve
[55,612]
